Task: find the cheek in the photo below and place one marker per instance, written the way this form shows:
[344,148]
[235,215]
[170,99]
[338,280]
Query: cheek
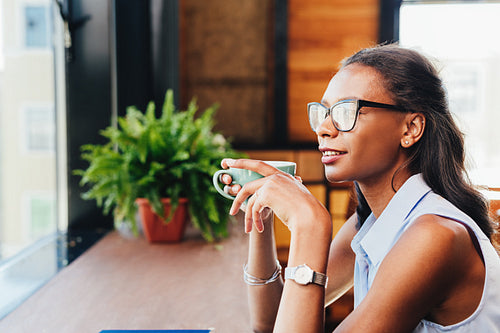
[375,144]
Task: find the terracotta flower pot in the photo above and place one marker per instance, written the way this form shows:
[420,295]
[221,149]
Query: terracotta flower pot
[154,227]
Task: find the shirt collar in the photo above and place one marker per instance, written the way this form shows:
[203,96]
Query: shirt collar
[382,233]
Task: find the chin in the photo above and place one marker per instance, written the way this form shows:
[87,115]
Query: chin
[337,180]
[335,176]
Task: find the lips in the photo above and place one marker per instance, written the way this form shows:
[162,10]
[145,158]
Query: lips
[331,155]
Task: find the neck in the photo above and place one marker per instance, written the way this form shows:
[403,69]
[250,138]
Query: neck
[379,192]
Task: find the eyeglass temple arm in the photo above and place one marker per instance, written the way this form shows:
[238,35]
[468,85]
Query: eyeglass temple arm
[377,105]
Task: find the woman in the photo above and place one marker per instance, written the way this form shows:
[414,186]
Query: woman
[417,251]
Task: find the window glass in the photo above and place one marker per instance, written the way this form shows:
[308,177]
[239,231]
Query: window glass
[461,38]
[31,101]
[41,214]
[36,26]
[39,129]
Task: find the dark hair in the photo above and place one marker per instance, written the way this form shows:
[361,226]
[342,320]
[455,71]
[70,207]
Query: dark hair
[439,155]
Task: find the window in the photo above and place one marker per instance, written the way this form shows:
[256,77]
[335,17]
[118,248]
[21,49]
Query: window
[32,205]
[38,129]
[36,26]
[41,218]
[461,36]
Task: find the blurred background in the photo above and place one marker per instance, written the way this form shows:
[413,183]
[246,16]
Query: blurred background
[68,68]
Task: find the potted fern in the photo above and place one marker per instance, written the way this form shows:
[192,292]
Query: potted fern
[160,161]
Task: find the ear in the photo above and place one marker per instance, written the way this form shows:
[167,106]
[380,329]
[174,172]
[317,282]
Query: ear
[414,125]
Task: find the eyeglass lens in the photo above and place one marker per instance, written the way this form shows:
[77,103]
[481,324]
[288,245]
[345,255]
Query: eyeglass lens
[343,115]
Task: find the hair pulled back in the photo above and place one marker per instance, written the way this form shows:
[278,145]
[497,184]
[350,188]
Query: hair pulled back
[439,155]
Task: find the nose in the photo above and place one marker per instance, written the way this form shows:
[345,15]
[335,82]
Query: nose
[326,129]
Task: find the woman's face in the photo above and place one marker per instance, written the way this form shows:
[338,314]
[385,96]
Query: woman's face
[372,148]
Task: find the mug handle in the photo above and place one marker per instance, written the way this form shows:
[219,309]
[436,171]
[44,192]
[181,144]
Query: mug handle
[215,180]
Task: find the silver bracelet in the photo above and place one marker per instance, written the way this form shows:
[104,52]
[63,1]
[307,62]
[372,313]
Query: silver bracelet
[255,281]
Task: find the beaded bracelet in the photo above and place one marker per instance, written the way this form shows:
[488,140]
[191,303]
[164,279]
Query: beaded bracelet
[255,281]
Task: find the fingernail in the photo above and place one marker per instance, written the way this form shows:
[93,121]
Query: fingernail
[260,225]
[230,161]
[226,178]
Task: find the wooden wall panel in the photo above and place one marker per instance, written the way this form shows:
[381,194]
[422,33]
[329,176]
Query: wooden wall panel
[225,58]
[320,34]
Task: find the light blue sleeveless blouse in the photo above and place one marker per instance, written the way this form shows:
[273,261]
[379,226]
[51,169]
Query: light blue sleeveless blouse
[374,240]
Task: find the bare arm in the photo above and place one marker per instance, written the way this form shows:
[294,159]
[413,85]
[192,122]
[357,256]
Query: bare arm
[301,308]
[341,262]
[421,272]
[263,300]
[426,267]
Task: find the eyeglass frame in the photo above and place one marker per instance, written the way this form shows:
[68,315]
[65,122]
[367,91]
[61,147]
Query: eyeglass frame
[360,103]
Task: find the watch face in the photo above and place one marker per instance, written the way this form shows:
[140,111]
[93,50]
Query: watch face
[303,275]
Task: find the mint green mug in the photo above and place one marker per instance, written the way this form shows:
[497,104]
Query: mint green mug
[243,176]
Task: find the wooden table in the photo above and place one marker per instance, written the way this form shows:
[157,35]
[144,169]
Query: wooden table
[130,284]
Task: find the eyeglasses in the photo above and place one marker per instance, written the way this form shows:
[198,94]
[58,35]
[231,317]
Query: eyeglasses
[343,113]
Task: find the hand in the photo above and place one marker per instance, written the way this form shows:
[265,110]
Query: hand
[277,191]
[233,190]
[227,180]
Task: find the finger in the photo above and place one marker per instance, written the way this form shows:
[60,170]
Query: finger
[265,213]
[250,216]
[258,166]
[257,208]
[226,179]
[232,189]
[226,162]
[298,178]
[244,207]
[235,189]
[246,191]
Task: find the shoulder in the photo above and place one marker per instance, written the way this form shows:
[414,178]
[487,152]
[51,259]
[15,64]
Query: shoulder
[437,232]
[440,250]
[424,268]
[433,250]
[416,272]
[435,237]
[430,257]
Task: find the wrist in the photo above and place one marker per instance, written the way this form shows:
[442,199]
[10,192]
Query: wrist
[262,254]
[316,223]
[252,280]
[310,242]
[268,232]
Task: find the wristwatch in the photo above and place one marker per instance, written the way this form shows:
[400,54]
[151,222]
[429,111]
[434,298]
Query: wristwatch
[304,275]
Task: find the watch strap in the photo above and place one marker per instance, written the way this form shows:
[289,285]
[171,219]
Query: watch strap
[317,277]
[320,279]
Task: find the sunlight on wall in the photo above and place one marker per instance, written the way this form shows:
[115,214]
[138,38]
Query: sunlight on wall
[462,39]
